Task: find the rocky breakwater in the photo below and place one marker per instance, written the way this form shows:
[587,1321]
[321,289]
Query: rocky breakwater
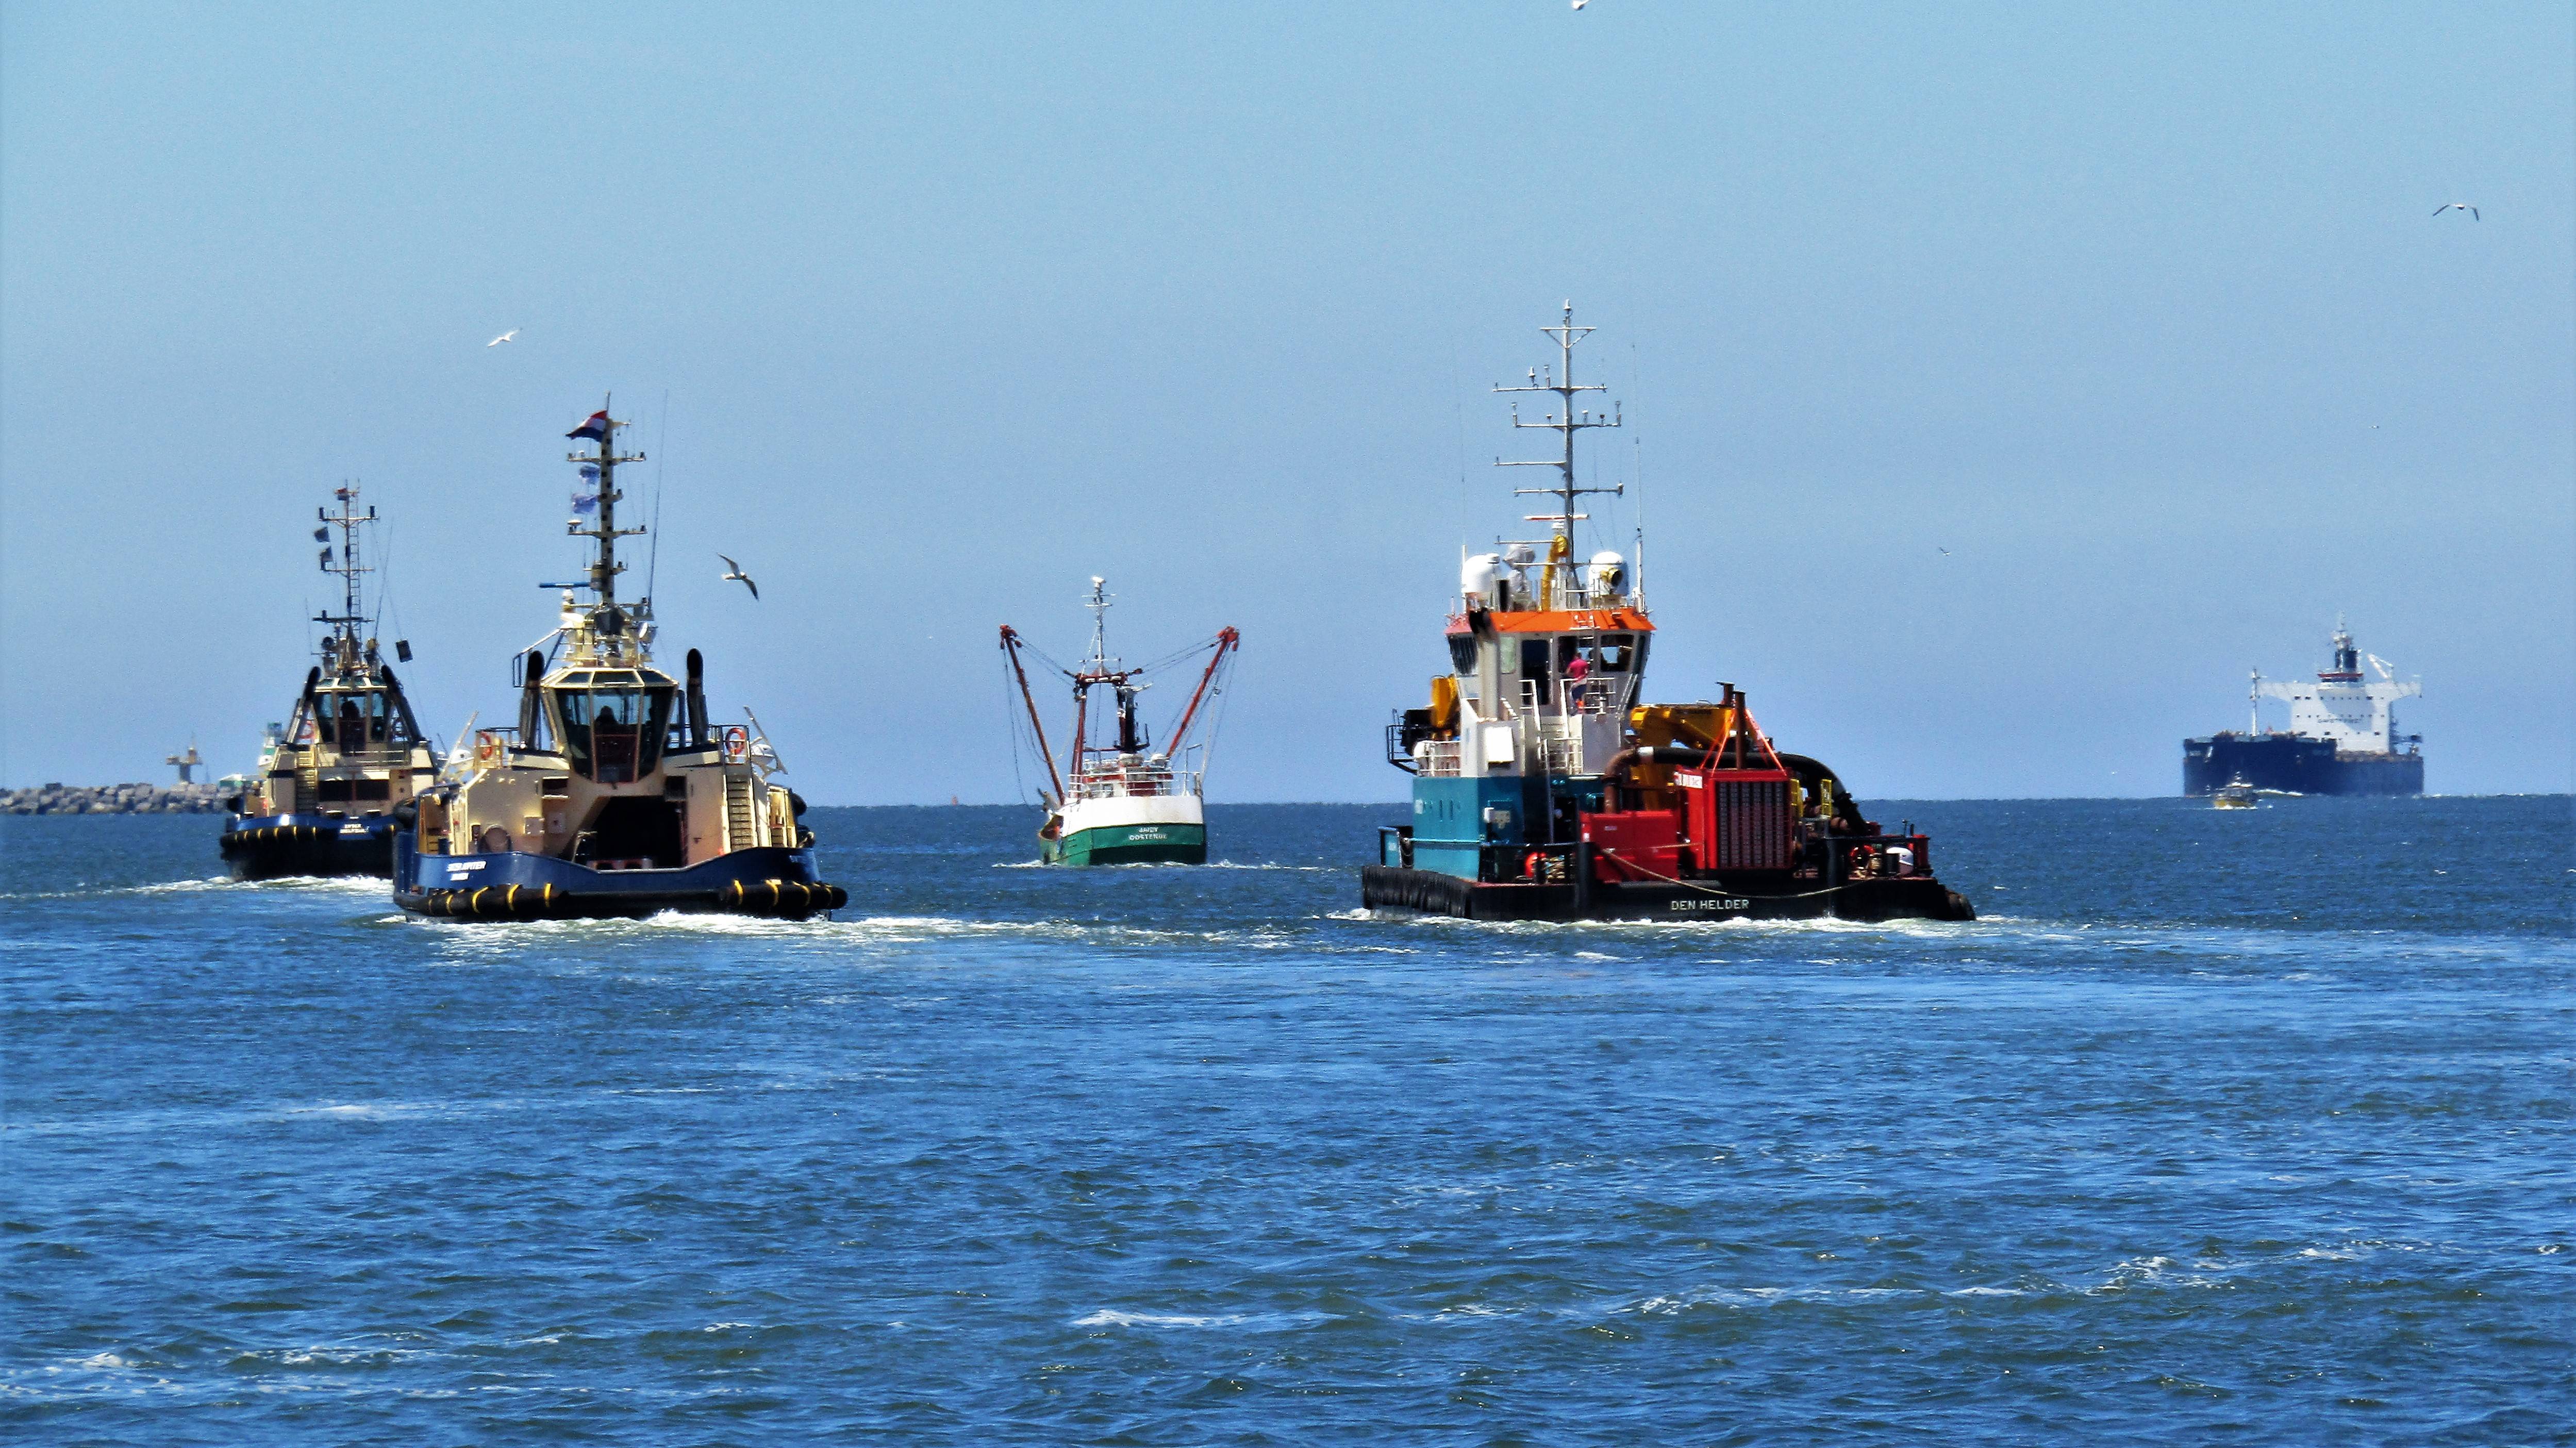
[112,799]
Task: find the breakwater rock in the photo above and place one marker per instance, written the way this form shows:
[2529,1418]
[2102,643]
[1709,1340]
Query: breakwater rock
[112,799]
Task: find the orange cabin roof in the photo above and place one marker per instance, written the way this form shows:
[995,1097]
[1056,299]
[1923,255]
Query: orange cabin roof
[1559,621]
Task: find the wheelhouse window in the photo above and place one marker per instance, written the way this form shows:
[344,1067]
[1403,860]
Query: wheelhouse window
[1614,653]
[349,721]
[613,734]
[1462,653]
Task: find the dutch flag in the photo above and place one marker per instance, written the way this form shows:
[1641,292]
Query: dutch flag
[596,427]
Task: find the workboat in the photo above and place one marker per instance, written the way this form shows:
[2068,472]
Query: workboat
[1546,788]
[2235,794]
[1121,800]
[349,754]
[614,794]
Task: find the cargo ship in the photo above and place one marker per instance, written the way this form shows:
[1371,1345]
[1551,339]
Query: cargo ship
[1545,787]
[615,794]
[2343,737]
[349,755]
[1120,799]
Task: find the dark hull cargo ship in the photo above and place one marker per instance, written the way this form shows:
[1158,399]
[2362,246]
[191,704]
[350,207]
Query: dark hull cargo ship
[2342,737]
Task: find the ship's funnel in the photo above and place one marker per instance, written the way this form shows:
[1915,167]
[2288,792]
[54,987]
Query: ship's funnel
[697,701]
[531,703]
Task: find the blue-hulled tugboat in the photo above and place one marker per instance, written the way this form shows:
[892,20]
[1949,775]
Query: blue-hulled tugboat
[614,794]
[1545,789]
[350,754]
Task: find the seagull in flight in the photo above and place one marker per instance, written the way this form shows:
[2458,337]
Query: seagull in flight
[504,337]
[738,576]
[2459,206]
[1944,552]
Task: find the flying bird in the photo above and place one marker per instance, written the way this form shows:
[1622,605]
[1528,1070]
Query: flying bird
[2459,206]
[1944,552]
[738,576]
[504,337]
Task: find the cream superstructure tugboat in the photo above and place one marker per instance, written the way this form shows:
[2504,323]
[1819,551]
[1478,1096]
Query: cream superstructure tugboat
[1545,789]
[614,794]
[330,778]
[1123,801]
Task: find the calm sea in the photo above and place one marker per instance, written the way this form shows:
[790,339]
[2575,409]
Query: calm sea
[2250,1127]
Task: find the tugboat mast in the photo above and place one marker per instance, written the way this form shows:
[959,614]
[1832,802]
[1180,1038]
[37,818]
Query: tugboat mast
[607,624]
[1566,422]
[344,624]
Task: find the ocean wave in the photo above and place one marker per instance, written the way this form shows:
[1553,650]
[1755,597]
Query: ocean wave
[1111,1317]
[299,884]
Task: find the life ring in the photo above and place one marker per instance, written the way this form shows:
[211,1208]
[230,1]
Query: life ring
[737,743]
[1531,862]
[487,748]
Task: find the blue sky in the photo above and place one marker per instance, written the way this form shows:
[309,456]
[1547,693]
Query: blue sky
[2142,314]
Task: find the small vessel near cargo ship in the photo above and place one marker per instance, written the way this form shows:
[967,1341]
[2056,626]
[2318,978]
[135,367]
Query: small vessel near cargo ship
[1544,788]
[614,795]
[1121,800]
[349,755]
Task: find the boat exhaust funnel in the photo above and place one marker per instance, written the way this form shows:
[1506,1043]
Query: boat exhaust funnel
[697,700]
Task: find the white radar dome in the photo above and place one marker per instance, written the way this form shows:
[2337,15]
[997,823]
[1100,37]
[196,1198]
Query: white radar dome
[1477,577]
[1609,573]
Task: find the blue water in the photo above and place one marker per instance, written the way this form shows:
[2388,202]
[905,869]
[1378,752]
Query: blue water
[2251,1128]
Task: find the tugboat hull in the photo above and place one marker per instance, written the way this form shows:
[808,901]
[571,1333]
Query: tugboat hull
[274,847]
[1392,887]
[511,885]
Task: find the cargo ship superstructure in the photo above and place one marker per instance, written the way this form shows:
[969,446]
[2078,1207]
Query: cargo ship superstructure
[614,794]
[350,753]
[2343,736]
[1545,787]
[1120,799]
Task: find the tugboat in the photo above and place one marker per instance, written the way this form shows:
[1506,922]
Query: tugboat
[1545,789]
[1126,803]
[614,795]
[349,755]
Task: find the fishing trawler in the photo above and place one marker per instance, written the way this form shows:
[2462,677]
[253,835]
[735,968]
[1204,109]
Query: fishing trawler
[614,794]
[349,755]
[1122,802]
[1544,788]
